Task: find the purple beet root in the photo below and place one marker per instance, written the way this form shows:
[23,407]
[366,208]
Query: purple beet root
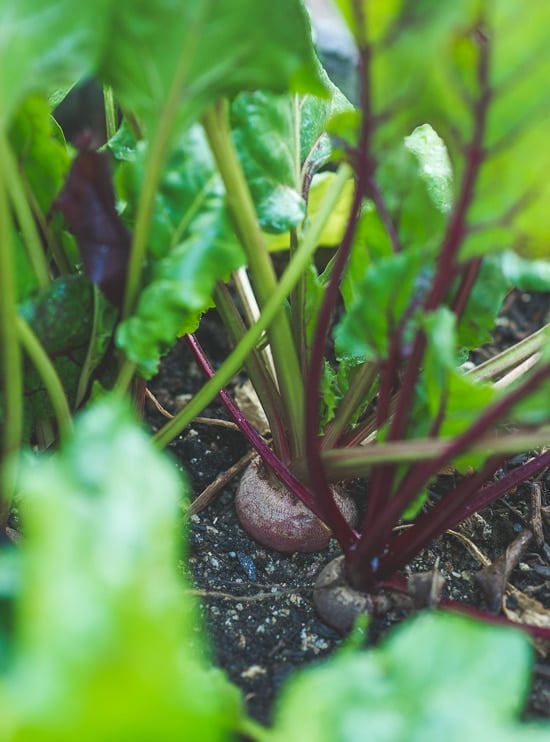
[339,604]
[274,517]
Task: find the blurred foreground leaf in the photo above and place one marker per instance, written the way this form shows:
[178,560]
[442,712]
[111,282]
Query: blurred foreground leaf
[197,51]
[107,645]
[437,677]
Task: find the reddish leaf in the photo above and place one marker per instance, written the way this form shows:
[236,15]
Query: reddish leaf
[88,204]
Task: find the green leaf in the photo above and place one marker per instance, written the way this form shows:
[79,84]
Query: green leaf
[330,394]
[44,46]
[434,166]
[448,388]
[123,143]
[384,295]
[400,32]
[192,246]
[107,646]
[512,191]
[333,231]
[412,688]
[315,115]
[526,275]
[446,393]
[61,317]
[264,129]
[487,97]
[277,167]
[484,303]
[370,243]
[376,17]
[192,53]
[39,148]
[415,179]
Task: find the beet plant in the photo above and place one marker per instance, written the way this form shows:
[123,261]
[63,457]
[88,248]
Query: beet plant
[435,204]
[108,256]
[231,145]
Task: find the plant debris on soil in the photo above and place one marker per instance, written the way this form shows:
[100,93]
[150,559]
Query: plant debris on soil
[257,603]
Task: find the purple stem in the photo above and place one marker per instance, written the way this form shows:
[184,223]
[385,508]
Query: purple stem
[372,545]
[282,472]
[383,213]
[452,242]
[364,168]
[382,478]
[465,289]
[456,230]
[453,509]
[539,632]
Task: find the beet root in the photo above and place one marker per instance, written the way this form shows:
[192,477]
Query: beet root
[339,604]
[274,517]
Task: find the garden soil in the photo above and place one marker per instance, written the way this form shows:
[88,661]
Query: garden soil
[257,604]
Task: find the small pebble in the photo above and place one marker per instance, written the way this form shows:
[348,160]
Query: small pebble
[248,566]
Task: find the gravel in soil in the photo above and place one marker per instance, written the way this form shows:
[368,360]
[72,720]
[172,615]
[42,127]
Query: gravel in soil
[257,604]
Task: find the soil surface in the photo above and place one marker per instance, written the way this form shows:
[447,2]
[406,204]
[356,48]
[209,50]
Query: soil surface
[257,603]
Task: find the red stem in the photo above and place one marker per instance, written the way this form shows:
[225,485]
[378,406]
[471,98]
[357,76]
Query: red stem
[364,169]
[453,509]
[538,632]
[383,523]
[281,471]
[373,545]
[456,231]
[465,289]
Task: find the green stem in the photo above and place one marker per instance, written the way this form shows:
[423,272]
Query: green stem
[153,171]
[361,389]
[251,312]
[297,141]
[512,356]
[87,368]
[23,211]
[255,367]
[298,296]
[348,463]
[156,158]
[298,301]
[49,376]
[11,374]
[151,179]
[54,247]
[110,112]
[251,729]
[125,376]
[216,125]
[236,359]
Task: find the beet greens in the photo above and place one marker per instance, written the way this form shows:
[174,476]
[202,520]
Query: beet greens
[420,269]
[355,254]
[414,351]
[430,195]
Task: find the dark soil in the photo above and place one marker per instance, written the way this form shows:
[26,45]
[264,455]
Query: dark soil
[257,603]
